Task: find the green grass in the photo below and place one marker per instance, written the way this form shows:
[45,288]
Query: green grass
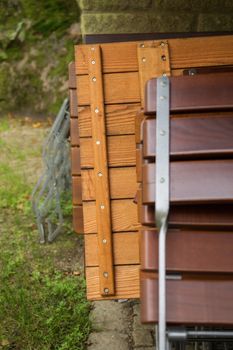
[42,302]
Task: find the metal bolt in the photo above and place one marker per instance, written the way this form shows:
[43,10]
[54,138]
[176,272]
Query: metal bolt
[102,206]
[162,132]
[96,110]
[104,241]
[98,142]
[164,74]
[162,180]
[106,290]
[94,79]
[105,274]
[93,62]
[142,45]
[143,59]
[162,44]
[162,98]
[100,174]
[163,84]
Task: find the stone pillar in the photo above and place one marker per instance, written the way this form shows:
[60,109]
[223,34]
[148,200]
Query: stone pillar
[145,16]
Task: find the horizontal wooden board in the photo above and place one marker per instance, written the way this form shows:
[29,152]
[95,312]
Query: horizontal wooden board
[184,53]
[125,249]
[75,160]
[193,93]
[194,136]
[189,302]
[193,182]
[119,119]
[77,190]
[78,219]
[126,283]
[189,251]
[118,88]
[121,151]
[122,183]
[124,216]
[74,132]
[210,216]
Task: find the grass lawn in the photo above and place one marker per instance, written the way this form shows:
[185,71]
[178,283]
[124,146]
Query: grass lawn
[42,289]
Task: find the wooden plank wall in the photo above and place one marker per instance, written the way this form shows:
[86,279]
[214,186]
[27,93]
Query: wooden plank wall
[124,72]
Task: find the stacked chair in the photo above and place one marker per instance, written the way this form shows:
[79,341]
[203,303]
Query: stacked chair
[152,170]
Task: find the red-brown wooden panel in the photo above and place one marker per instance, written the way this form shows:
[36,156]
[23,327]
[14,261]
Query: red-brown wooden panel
[73,103]
[190,251]
[75,161]
[202,135]
[77,190]
[193,182]
[74,132]
[194,93]
[189,301]
[210,216]
[72,76]
[78,219]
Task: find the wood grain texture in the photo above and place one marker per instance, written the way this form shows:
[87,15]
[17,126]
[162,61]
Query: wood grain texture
[152,62]
[189,302]
[100,172]
[74,132]
[124,216]
[194,136]
[71,76]
[139,121]
[78,219]
[122,183]
[119,119]
[189,251]
[193,182]
[194,93]
[212,216]
[126,282]
[73,103]
[184,53]
[125,249]
[118,88]
[75,161]
[77,190]
[121,151]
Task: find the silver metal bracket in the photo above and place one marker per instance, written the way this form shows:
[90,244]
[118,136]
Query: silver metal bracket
[162,197]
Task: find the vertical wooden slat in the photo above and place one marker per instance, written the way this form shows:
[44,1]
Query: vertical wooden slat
[153,61]
[103,209]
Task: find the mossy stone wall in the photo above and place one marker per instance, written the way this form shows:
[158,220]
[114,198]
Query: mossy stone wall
[145,16]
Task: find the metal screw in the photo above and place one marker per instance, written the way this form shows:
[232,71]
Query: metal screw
[164,74]
[100,174]
[162,98]
[92,49]
[106,290]
[104,241]
[102,206]
[96,110]
[162,44]
[93,62]
[94,79]
[105,274]
[142,45]
[162,132]
[162,180]
[163,84]
[98,142]
[143,59]
[163,58]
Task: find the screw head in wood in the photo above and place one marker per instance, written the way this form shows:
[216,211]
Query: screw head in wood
[164,74]
[143,59]
[96,110]
[98,142]
[162,44]
[100,174]
[105,274]
[94,79]
[92,49]
[106,290]
[142,45]
[104,241]
[93,62]
[102,206]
